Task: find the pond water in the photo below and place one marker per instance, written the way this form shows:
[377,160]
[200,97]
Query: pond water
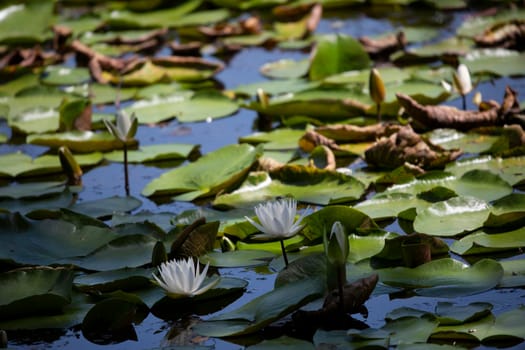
[243,68]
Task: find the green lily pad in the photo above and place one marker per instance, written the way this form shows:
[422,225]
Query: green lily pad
[151,19]
[449,46]
[445,277]
[450,313]
[36,17]
[203,18]
[506,211]
[278,139]
[150,71]
[211,173]
[482,242]
[36,98]
[275,87]
[285,69]
[321,103]
[100,93]
[34,291]
[390,76]
[306,184]
[108,281]
[482,184]
[13,87]
[125,252]
[469,143]
[451,217]
[107,206]
[389,205]
[373,338]
[476,25]
[48,241]
[37,120]
[409,329]
[32,190]
[336,54]
[20,164]
[78,141]
[497,62]
[237,258]
[153,153]
[509,169]
[283,342]
[262,310]
[513,273]
[185,106]
[508,326]
[62,75]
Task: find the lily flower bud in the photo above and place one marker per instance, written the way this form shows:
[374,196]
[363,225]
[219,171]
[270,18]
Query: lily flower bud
[336,245]
[461,79]
[376,86]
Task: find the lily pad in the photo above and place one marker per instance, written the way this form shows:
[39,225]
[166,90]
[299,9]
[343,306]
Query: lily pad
[514,273]
[37,120]
[452,217]
[185,106]
[469,143]
[211,173]
[237,258]
[275,87]
[278,139]
[32,190]
[62,75]
[153,153]
[497,62]
[507,211]
[445,277]
[262,310]
[108,281]
[389,205]
[306,184]
[509,169]
[336,54]
[34,291]
[78,141]
[36,17]
[20,164]
[482,242]
[285,69]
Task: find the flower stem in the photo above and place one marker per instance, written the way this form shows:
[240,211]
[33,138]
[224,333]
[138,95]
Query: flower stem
[126,176]
[341,281]
[464,98]
[284,254]
[378,112]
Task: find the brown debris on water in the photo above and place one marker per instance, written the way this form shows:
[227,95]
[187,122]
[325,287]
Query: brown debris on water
[312,139]
[406,146]
[434,117]
[508,35]
[353,133]
[384,46]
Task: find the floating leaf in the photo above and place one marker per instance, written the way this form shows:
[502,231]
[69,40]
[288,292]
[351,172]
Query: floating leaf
[283,342]
[450,313]
[211,173]
[514,273]
[469,143]
[36,17]
[107,206]
[275,87]
[451,217]
[262,310]
[185,106]
[389,205]
[34,190]
[509,169]
[63,75]
[153,153]
[37,120]
[237,258]
[278,139]
[108,281]
[482,242]
[335,54]
[497,62]
[34,291]
[445,277]
[285,69]
[507,211]
[306,184]
[78,141]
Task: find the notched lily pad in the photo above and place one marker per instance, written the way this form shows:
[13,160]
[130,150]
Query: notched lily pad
[154,153]
[79,141]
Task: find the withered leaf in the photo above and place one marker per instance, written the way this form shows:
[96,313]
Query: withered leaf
[406,146]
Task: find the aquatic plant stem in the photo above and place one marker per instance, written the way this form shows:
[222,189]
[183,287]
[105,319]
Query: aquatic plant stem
[126,176]
[284,254]
[378,105]
[464,99]
[341,281]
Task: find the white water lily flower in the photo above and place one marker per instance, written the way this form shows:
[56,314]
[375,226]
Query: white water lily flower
[277,219]
[462,82]
[180,278]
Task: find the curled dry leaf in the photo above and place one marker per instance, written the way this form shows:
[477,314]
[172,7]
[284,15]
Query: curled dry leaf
[509,35]
[248,26]
[384,46]
[355,295]
[27,58]
[433,117]
[192,48]
[312,139]
[354,133]
[61,35]
[322,157]
[96,62]
[268,164]
[406,146]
